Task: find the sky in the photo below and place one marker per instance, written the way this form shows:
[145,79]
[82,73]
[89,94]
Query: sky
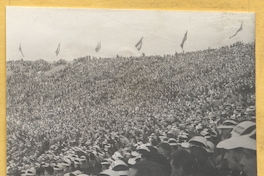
[40,30]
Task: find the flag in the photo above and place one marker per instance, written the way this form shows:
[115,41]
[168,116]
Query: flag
[184,39]
[58,50]
[139,44]
[21,50]
[240,29]
[98,47]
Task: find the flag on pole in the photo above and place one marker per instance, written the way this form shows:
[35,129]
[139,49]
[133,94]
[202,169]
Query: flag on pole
[98,47]
[21,50]
[139,44]
[58,50]
[240,29]
[184,39]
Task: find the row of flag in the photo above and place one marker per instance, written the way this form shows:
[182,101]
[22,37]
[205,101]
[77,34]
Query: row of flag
[139,43]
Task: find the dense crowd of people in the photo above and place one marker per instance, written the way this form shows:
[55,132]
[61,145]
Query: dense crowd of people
[186,114]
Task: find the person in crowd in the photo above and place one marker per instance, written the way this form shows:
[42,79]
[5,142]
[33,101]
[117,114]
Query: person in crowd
[226,128]
[183,164]
[199,148]
[165,149]
[233,156]
[146,168]
[246,157]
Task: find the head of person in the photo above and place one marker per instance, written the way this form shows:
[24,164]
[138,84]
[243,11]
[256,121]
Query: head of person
[183,164]
[153,149]
[243,154]
[162,161]
[58,169]
[31,172]
[226,128]
[105,164]
[174,145]
[146,168]
[49,170]
[233,157]
[143,151]
[66,164]
[120,167]
[198,147]
[165,149]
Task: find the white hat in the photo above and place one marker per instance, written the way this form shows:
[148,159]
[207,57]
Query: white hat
[134,154]
[172,142]
[58,167]
[117,155]
[108,172]
[82,158]
[250,110]
[143,147]
[247,141]
[132,161]
[199,126]
[119,163]
[106,161]
[198,141]
[228,124]
[243,128]
[77,172]
[31,172]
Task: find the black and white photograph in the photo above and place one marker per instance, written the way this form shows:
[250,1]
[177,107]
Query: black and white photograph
[106,92]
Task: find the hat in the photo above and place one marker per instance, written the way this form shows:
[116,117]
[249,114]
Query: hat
[199,126]
[106,162]
[197,141]
[108,172]
[204,133]
[172,142]
[143,147]
[134,154]
[132,161]
[43,164]
[228,124]
[247,141]
[78,161]
[23,172]
[162,138]
[118,165]
[250,110]
[243,128]
[31,172]
[77,172]
[66,163]
[117,155]
[82,158]
[58,167]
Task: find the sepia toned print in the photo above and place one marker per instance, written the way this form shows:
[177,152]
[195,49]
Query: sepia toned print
[123,92]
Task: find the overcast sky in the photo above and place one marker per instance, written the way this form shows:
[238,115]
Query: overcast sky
[40,30]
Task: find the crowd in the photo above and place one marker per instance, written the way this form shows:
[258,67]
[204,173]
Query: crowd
[148,115]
